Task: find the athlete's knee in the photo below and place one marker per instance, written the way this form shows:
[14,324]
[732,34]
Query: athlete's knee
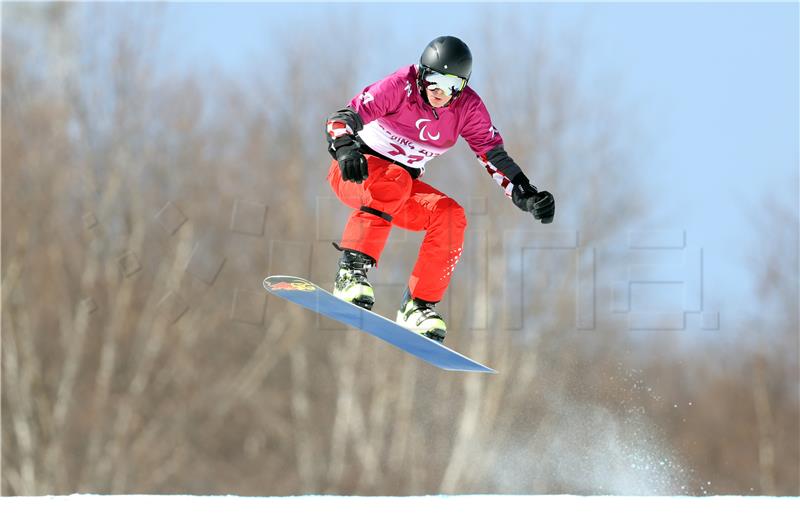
[452,214]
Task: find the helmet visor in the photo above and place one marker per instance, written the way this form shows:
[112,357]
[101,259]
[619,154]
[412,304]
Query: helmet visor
[450,84]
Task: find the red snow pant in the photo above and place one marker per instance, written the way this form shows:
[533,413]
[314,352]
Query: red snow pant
[412,205]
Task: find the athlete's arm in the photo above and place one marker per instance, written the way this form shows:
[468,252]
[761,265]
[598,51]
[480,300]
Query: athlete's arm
[486,142]
[342,126]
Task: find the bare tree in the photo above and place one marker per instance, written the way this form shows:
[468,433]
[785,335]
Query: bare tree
[140,355]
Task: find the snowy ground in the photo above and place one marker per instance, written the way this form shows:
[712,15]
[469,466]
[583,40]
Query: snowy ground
[439,511]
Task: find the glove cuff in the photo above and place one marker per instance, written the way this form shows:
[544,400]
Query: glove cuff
[344,140]
[347,142]
[522,181]
[498,157]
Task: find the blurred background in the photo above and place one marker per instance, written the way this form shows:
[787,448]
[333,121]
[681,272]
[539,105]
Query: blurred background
[159,160]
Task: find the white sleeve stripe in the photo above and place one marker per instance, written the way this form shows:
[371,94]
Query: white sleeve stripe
[499,177]
[338,129]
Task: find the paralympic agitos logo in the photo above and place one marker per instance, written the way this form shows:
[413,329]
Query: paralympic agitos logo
[423,131]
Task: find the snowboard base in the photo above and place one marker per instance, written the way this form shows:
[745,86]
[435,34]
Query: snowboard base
[315,298]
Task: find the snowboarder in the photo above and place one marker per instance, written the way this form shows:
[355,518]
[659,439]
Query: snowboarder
[380,144]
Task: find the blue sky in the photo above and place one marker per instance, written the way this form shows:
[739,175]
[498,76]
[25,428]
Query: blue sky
[715,87]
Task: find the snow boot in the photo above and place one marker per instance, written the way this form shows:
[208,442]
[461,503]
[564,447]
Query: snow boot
[351,284]
[420,317]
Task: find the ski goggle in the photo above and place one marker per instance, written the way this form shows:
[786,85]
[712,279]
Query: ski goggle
[450,84]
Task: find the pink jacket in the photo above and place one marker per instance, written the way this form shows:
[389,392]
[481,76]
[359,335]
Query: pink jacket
[400,125]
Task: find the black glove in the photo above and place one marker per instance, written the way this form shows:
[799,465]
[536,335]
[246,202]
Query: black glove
[525,196]
[352,164]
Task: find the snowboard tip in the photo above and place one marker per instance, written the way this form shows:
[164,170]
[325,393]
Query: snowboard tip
[288,283]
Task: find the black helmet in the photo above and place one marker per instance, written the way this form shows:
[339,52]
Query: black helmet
[446,55]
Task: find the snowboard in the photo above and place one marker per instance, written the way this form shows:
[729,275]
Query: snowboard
[315,298]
